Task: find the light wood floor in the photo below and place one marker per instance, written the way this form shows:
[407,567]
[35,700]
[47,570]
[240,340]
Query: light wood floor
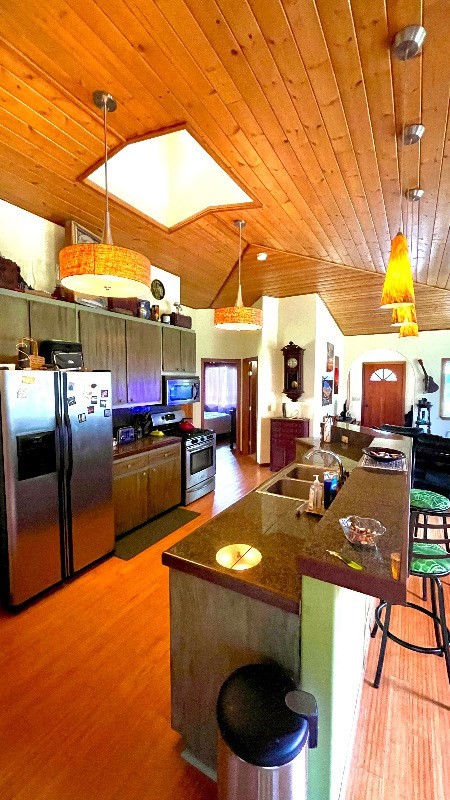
[85,693]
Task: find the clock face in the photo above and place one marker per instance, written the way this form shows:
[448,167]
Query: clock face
[157,289]
[292,363]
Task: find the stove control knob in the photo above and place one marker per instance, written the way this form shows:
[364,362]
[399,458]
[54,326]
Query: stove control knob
[194,441]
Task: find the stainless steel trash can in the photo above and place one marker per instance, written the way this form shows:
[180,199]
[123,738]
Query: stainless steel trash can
[265,727]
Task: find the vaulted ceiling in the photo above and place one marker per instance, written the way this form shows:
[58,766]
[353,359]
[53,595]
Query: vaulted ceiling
[299,100]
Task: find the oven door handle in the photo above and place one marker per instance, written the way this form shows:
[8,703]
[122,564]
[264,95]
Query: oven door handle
[200,447]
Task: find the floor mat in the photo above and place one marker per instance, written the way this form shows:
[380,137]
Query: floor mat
[138,540]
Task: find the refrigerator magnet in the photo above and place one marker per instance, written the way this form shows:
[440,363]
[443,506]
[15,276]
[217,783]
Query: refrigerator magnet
[28,379]
[90,409]
[70,387]
[104,393]
[94,398]
[22,393]
[102,403]
[71,401]
[107,412]
[81,417]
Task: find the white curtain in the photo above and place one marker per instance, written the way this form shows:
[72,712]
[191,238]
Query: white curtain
[221,385]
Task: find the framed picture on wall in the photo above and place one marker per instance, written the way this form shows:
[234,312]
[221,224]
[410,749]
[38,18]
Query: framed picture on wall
[327,390]
[330,357]
[336,375]
[78,234]
[445,389]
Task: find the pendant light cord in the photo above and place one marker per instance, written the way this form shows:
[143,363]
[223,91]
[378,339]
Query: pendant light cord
[240,250]
[106,160]
[402,146]
[107,235]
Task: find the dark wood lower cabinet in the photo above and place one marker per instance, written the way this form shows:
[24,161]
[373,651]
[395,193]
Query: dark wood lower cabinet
[283,433]
[145,486]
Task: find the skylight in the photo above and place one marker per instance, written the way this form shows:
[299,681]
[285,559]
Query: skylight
[169,178]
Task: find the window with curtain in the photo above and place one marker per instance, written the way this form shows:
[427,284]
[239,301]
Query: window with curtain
[221,385]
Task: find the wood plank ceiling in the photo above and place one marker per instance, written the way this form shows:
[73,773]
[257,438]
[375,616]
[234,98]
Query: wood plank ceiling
[299,100]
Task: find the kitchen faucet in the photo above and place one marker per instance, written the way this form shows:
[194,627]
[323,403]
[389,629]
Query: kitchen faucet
[328,453]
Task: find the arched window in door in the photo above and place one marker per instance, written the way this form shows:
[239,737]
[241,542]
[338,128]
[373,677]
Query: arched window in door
[383,375]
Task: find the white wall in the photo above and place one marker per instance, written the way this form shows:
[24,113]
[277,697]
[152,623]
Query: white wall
[297,324]
[213,343]
[327,331]
[33,243]
[430,346]
[268,376]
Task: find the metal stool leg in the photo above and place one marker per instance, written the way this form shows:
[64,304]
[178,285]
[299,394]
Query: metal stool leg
[445,632]
[436,616]
[385,628]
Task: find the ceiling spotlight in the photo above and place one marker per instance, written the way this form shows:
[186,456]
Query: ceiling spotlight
[413,133]
[408,42]
[414,194]
[261,256]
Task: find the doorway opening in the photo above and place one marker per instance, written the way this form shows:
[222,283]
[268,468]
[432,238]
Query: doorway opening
[383,393]
[220,408]
[249,406]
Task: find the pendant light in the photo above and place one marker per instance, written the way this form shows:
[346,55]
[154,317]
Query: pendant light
[398,289]
[104,270]
[238,317]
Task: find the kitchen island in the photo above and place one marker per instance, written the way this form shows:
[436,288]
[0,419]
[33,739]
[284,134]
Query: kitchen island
[298,606]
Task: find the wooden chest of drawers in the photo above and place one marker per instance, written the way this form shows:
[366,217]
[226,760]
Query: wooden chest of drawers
[283,433]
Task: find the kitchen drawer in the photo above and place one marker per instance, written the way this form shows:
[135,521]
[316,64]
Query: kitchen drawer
[163,454]
[132,464]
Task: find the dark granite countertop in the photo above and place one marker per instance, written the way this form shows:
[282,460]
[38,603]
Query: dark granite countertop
[143,446]
[293,546]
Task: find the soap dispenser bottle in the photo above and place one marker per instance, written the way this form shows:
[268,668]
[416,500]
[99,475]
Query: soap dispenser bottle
[316,494]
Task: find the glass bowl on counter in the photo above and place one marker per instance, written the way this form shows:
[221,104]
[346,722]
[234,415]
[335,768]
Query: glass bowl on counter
[362,531]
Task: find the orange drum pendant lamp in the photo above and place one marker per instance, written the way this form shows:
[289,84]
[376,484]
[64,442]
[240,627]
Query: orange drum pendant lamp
[104,270]
[238,317]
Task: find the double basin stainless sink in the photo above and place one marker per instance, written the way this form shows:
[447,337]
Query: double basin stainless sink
[294,482]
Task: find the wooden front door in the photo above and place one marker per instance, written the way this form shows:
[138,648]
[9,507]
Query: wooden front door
[383,394]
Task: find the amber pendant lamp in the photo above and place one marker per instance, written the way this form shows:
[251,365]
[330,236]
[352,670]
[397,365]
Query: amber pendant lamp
[104,269]
[398,288]
[238,317]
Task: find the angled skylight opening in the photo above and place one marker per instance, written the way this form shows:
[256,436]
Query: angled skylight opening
[169,178]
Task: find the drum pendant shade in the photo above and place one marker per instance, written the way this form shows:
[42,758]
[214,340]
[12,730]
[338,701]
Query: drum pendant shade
[104,270]
[238,317]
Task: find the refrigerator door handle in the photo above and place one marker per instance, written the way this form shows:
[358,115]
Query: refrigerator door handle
[68,465]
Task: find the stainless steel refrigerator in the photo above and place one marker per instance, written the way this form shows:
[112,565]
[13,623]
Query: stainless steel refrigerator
[56,511]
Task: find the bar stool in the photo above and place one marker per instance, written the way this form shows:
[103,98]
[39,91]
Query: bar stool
[425,500]
[429,559]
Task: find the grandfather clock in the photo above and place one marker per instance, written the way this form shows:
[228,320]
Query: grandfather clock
[293,370]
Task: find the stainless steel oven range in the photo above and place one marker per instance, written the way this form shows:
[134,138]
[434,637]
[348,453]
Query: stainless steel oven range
[198,455]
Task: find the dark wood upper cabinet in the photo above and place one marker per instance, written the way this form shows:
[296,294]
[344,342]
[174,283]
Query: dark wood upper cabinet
[14,326]
[188,350]
[104,347]
[179,350]
[53,321]
[143,362]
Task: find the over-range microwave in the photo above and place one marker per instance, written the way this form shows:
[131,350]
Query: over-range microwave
[178,391]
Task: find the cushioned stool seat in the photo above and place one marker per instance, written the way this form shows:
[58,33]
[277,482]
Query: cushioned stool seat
[428,566]
[424,499]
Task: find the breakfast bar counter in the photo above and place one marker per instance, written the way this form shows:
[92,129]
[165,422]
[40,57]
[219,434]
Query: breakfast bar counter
[297,605]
